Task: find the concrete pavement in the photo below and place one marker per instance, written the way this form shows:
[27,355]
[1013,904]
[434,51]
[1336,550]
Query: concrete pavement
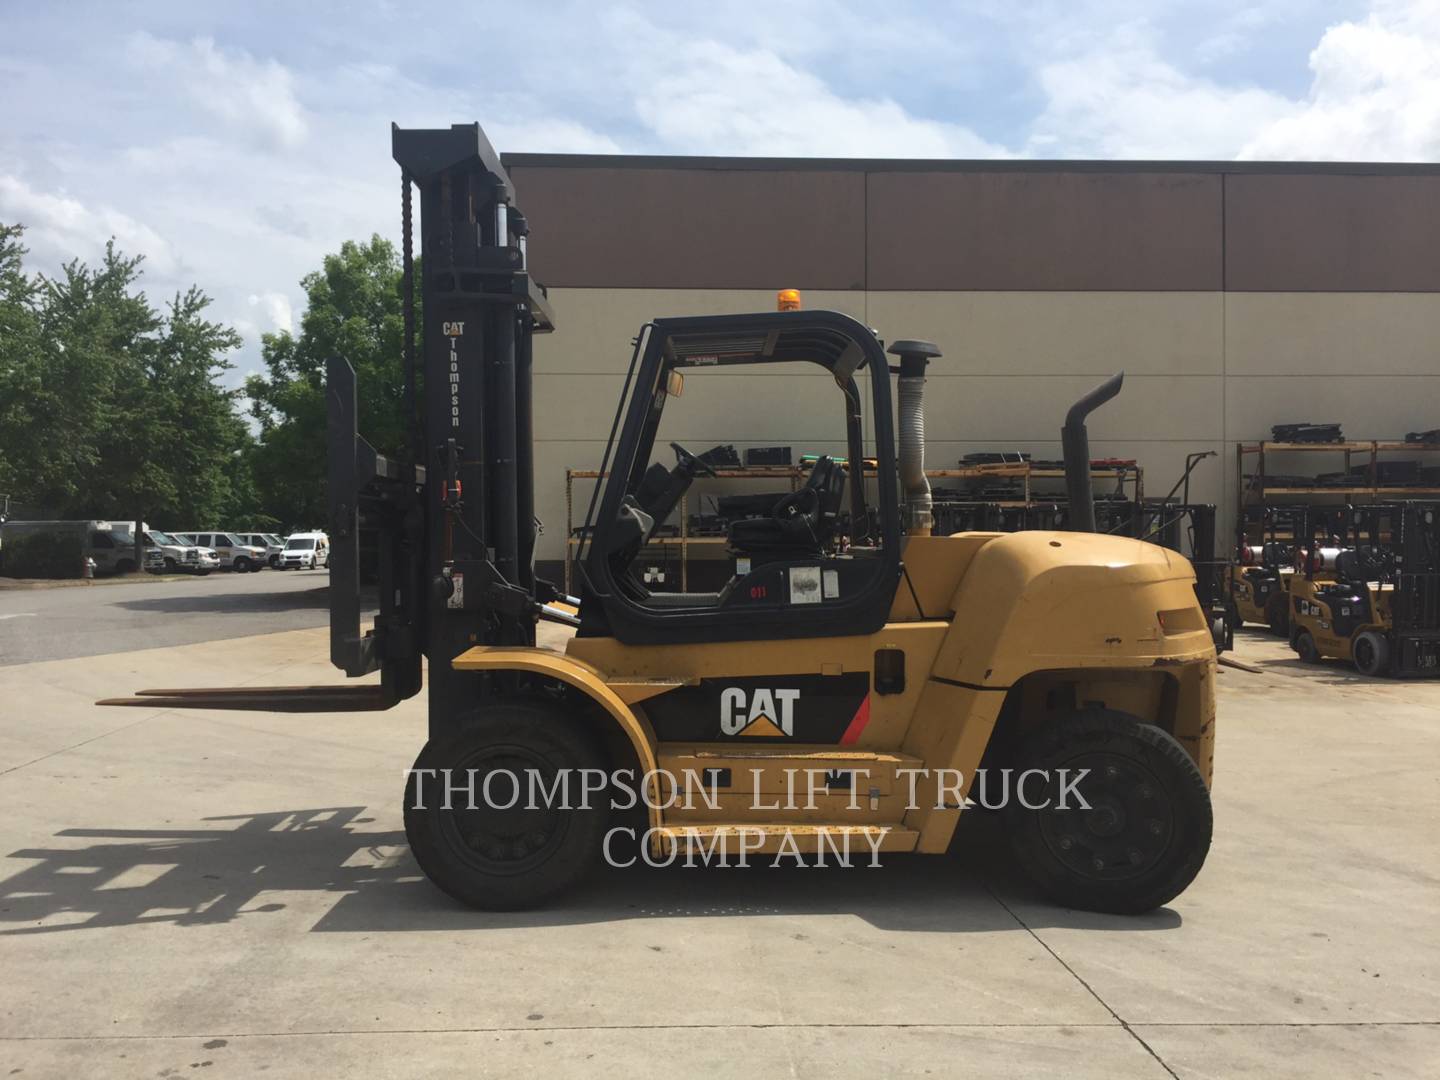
[227,894]
[145,612]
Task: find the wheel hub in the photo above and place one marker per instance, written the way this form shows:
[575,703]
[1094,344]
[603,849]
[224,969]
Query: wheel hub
[1127,827]
[492,824]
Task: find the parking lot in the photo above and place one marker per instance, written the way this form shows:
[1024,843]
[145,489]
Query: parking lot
[231,893]
[135,613]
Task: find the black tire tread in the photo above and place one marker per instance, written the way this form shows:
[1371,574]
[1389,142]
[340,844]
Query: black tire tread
[1305,648]
[1117,732]
[515,721]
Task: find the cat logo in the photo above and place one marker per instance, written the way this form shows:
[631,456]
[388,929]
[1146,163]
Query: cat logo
[768,712]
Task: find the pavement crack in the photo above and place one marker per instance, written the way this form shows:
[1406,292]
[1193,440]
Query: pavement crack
[1089,989]
[82,742]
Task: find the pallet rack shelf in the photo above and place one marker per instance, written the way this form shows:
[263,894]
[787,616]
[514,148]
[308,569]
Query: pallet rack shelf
[1254,492]
[1255,485]
[1131,474]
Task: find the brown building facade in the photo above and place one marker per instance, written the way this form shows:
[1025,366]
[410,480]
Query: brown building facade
[1234,295]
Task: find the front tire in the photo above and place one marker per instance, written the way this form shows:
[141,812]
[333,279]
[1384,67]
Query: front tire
[1371,653]
[1305,648]
[240,565]
[1148,828]
[500,859]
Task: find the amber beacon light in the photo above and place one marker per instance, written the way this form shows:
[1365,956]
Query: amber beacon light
[787,300]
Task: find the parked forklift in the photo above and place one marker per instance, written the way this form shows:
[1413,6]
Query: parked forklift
[882,658]
[1379,607]
[1261,574]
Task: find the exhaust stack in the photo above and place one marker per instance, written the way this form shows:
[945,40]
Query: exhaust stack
[1075,441]
[914,357]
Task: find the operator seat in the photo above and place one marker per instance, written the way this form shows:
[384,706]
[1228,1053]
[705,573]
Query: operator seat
[801,523]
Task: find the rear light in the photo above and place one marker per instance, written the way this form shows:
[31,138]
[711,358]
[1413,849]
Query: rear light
[1184,620]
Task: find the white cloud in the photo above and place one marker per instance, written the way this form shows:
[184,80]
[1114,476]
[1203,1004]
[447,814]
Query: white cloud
[1375,95]
[250,95]
[276,308]
[60,228]
[722,100]
[1121,100]
[550,135]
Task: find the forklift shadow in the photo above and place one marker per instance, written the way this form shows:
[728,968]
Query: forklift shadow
[1327,672]
[199,877]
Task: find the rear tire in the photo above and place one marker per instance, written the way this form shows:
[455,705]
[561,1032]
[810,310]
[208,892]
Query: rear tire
[1148,828]
[1304,646]
[506,859]
[1371,653]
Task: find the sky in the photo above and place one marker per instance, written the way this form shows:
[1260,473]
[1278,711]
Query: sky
[234,145]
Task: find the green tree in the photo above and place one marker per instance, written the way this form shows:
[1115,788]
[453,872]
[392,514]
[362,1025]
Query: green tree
[353,310]
[19,338]
[110,408]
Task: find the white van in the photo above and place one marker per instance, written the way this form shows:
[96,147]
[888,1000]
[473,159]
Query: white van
[234,555]
[305,551]
[167,553]
[274,546]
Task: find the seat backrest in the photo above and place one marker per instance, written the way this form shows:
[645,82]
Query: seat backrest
[811,512]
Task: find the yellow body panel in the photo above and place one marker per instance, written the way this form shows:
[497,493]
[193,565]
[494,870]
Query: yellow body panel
[934,566]
[775,837]
[889,713]
[1313,615]
[1043,600]
[1245,603]
[1044,620]
[584,678]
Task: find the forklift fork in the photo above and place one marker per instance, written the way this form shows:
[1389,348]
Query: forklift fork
[372,493]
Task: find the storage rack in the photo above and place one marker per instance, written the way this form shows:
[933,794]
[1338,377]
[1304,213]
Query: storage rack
[796,474]
[1256,492]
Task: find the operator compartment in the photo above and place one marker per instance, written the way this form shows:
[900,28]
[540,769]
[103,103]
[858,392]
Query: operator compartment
[801,559]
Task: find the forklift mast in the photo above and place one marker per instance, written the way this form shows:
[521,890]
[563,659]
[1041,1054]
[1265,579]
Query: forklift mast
[454,523]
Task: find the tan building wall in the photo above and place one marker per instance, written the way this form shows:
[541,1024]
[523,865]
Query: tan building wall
[1234,297]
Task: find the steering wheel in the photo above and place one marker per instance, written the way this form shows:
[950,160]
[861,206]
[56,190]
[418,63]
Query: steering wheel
[689,463]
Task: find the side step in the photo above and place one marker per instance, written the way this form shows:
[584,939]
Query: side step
[340,698]
[769,838]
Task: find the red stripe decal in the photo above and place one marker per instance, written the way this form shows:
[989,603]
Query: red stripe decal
[857,725]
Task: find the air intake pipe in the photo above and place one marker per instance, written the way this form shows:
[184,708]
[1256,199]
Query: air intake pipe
[1075,442]
[914,357]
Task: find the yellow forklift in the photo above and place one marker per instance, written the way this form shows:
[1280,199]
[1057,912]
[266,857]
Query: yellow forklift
[1379,606]
[841,689]
[1264,566]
